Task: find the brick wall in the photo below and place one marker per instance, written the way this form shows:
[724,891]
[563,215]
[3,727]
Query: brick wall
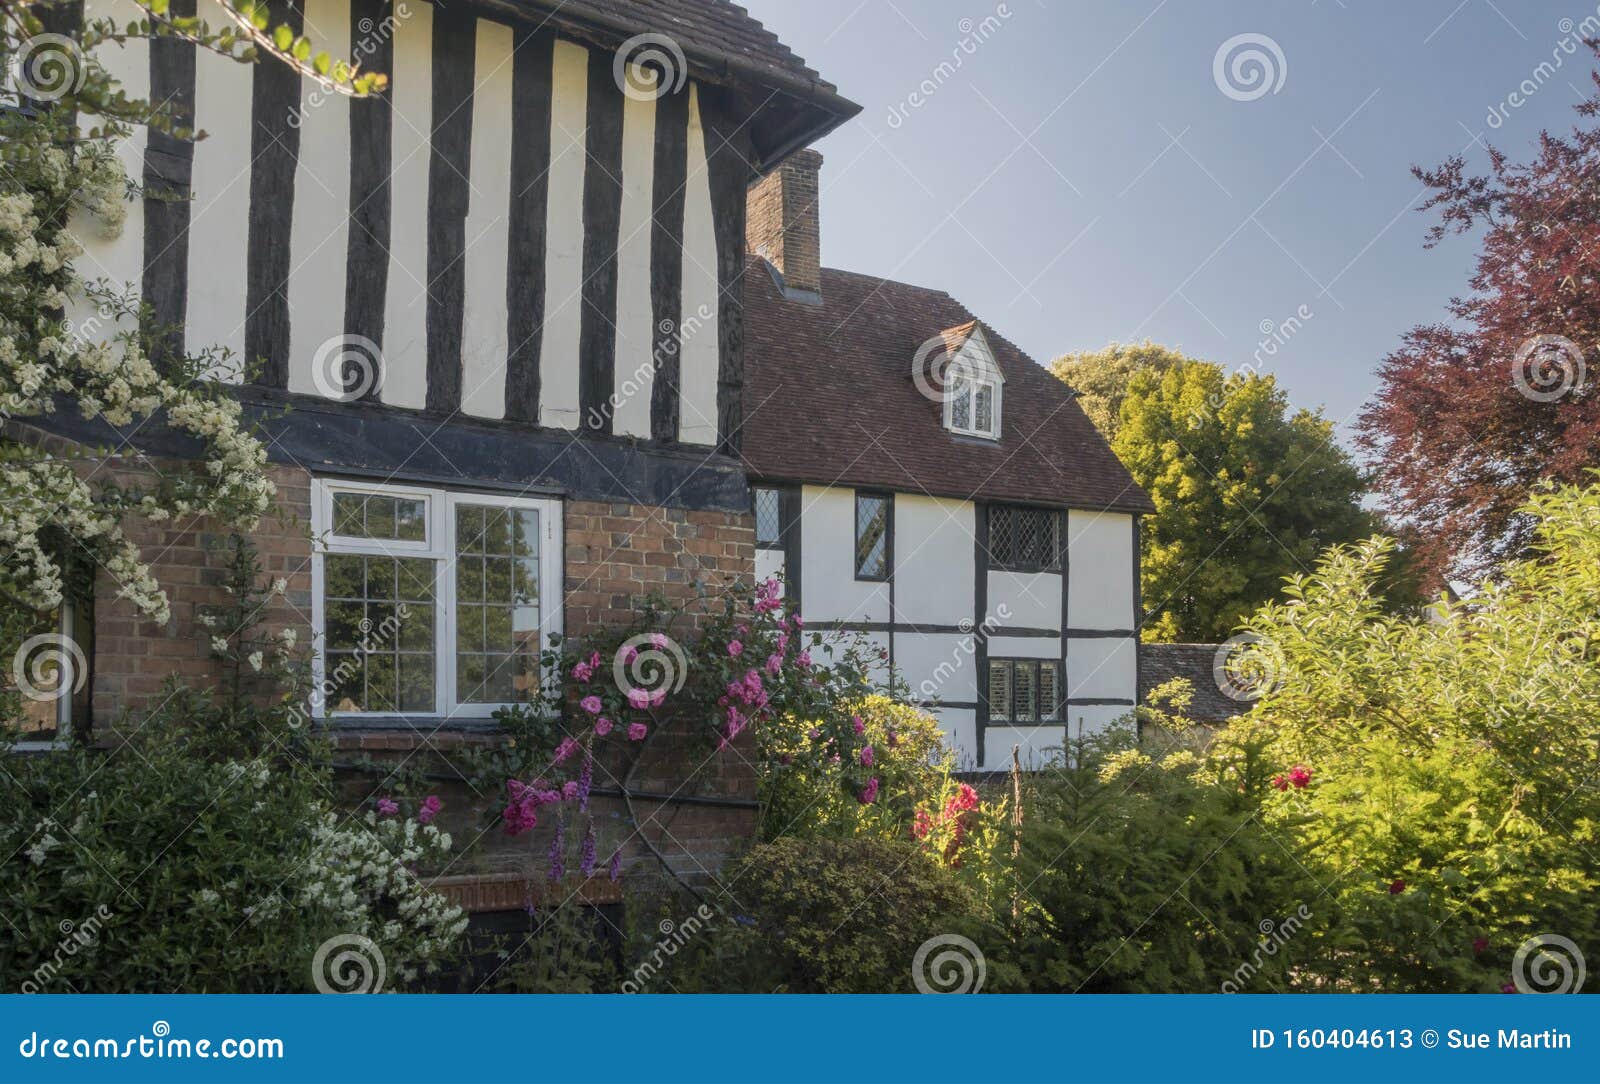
[133,656]
[619,554]
[782,221]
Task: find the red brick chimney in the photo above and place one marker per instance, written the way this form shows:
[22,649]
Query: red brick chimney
[781,221]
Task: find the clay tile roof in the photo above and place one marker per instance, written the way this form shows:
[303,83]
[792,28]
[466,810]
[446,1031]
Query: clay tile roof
[829,398]
[1160,663]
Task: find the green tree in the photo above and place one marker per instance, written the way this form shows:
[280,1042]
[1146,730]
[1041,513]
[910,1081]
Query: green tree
[1247,492]
[1101,377]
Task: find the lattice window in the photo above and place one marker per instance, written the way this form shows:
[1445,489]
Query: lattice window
[872,537]
[1024,539]
[768,522]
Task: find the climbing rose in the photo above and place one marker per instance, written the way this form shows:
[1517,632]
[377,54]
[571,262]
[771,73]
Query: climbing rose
[869,793]
[774,663]
[591,704]
[567,747]
[637,731]
[1300,776]
[602,726]
[429,810]
[1279,783]
[866,756]
[569,790]
[735,648]
[387,807]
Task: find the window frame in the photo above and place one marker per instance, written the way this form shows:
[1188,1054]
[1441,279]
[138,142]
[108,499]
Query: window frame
[1057,709]
[755,506]
[438,545]
[888,536]
[67,699]
[1053,566]
[976,379]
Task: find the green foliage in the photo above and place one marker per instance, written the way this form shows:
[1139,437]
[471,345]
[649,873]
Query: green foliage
[847,915]
[1454,755]
[562,951]
[1246,493]
[1154,875]
[1101,377]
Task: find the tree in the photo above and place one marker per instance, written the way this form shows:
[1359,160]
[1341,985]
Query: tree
[1472,414]
[1246,493]
[1101,378]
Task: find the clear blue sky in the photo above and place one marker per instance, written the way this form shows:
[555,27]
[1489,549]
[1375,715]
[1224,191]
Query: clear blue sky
[1082,179]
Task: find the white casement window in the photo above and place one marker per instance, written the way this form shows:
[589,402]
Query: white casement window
[972,404]
[431,601]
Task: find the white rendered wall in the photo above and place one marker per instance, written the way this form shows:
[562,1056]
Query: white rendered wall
[483,326]
[827,549]
[933,555]
[1100,552]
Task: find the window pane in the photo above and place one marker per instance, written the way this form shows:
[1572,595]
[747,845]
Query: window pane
[766,516]
[1048,704]
[378,621]
[1024,692]
[1025,539]
[984,409]
[872,537]
[359,515]
[497,605]
[999,690]
[961,403]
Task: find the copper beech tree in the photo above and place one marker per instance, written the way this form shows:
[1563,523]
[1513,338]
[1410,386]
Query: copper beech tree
[1473,414]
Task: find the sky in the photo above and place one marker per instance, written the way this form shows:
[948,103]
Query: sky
[1086,174]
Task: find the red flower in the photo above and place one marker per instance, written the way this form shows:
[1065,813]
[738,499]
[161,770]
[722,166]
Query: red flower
[1278,783]
[1300,776]
[1396,887]
[1479,944]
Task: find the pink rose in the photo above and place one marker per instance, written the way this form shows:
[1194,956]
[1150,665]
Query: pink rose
[591,704]
[857,725]
[869,793]
[564,750]
[629,654]
[637,731]
[658,641]
[388,807]
[430,809]
[735,648]
[774,663]
[569,790]
[602,726]
[866,756]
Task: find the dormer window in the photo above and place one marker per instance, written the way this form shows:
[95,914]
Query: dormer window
[972,384]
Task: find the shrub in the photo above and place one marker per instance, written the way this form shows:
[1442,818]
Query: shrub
[846,915]
[1450,806]
[1146,875]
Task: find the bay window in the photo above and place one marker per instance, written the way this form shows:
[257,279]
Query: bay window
[430,601]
